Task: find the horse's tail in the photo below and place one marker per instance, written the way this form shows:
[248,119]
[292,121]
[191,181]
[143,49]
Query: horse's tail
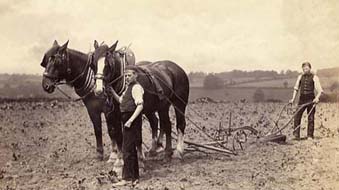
[180,86]
[179,100]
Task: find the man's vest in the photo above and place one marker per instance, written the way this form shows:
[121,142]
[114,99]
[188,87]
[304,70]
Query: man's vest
[127,104]
[306,84]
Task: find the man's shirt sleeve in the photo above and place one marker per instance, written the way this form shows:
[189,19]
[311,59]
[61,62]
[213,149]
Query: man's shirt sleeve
[296,86]
[317,84]
[138,94]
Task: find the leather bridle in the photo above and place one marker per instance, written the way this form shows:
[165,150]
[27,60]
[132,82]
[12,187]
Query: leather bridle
[65,59]
[122,69]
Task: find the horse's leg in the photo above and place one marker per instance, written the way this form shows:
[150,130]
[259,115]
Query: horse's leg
[165,125]
[153,120]
[114,127]
[95,117]
[160,140]
[181,125]
[113,120]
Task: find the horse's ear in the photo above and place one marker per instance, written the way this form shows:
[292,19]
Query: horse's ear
[55,43]
[63,48]
[96,44]
[112,48]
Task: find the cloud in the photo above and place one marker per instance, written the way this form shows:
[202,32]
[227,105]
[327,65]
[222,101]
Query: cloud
[213,36]
[9,6]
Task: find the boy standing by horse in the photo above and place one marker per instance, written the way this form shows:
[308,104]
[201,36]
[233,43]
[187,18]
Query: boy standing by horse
[306,83]
[131,106]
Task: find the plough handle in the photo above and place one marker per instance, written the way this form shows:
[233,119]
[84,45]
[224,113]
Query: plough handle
[289,121]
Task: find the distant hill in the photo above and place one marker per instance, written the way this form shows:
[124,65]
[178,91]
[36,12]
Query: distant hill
[266,79]
[242,78]
[26,86]
[329,72]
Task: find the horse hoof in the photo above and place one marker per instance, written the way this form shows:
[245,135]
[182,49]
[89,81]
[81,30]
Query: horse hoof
[167,159]
[119,163]
[178,154]
[151,153]
[159,149]
[100,157]
[168,156]
[118,171]
[141,165]
[112,158]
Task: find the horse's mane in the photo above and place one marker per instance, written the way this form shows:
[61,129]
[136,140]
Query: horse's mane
[77,53]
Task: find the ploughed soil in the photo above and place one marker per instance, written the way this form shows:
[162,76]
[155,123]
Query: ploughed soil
[51,145]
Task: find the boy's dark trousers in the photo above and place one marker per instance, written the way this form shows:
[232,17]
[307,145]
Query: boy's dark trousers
[305,98]
[131,137]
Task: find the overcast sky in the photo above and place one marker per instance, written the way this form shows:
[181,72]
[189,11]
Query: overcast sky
[199,35]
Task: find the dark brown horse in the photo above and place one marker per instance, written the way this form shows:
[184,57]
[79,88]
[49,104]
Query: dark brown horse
[165,84]
[78,70]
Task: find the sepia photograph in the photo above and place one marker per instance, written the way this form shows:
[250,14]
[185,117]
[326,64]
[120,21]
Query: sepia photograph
[169,95]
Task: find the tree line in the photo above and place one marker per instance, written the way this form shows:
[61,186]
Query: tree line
[218,80]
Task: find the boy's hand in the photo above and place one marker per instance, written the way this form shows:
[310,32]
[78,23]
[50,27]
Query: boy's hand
[291,101]
[128,124]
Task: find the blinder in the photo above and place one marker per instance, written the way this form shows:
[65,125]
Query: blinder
[64,60]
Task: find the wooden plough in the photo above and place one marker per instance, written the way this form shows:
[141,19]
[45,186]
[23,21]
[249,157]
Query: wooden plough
[240,134]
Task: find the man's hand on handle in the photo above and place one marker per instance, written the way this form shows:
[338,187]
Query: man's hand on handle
[316,100]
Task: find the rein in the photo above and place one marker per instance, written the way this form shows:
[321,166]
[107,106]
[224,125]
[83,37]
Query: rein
[70,98]
[115,80]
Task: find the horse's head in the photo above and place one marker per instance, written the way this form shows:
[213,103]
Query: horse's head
[98,54]
[110,70]
[106,68]
[55,64]
[98,62]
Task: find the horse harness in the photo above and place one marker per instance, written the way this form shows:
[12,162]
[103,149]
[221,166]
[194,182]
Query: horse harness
[110,99]
[155,81]
[88,86]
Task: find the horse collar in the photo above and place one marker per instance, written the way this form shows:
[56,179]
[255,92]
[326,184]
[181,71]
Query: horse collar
[89,61]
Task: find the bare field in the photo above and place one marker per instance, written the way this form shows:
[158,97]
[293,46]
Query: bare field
[51,145]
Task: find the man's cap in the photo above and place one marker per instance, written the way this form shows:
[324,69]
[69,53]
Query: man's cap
[306,64]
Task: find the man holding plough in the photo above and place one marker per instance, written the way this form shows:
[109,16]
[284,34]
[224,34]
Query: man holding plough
[308,85]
